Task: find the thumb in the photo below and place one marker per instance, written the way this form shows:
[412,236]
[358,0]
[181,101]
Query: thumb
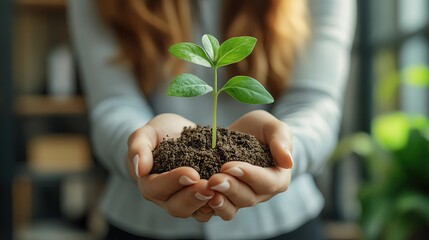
[140,145]
[142,162]
[282,153]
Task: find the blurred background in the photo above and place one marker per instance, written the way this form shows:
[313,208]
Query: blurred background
[376,184]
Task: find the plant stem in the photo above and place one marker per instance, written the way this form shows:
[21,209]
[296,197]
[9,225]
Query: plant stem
[214,110]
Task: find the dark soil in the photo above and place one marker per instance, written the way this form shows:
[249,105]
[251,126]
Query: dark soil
[193,149]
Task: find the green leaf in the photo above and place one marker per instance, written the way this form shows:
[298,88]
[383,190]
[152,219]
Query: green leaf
[234,50]
[211,45]
[359,143]
[391,130]
[188,85]
[417,76]
[247,90]
[190,52]
[375,216]
[413,202]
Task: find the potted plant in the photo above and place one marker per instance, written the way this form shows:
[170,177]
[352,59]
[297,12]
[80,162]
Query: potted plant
[394,197]
[203,148]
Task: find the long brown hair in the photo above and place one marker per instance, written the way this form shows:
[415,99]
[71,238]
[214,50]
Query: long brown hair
[146,28]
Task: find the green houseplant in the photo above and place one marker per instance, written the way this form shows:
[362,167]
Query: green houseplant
[394,197]
[243,88]
[192,148]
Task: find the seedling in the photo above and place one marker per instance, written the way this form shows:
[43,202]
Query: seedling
[243,88]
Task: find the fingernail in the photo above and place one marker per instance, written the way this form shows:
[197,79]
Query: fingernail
[202,197]
[235,171]
[290,157]
[186,181]
[221,187]
[219,205]
[136,164]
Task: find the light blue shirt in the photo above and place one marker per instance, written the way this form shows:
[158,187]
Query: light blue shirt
[311,107]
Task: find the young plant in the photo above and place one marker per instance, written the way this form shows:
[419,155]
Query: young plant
[214,55]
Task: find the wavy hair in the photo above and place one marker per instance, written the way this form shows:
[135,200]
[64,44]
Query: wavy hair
[146,28]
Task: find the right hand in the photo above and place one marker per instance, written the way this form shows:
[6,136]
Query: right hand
[180,192]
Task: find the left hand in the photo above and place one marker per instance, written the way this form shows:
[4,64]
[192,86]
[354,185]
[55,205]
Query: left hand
[241,184]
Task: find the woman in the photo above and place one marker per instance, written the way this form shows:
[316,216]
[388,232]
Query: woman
[302,58]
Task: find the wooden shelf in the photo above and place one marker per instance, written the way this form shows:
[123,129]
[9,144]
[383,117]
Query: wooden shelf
[33,105]
[42,4]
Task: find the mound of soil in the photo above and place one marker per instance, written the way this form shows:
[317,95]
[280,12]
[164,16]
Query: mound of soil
[193,149]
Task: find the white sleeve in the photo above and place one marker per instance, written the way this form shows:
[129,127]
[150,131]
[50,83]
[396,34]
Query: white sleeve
[116,105]
[312,106]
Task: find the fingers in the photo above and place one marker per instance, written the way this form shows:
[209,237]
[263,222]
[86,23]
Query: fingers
[140,146]
[203,216]
[268,130]
[281,153]
[269,180]
[186,202]
[180,192]
[279,138]
[160,187]
[237,192]
[143,141]
[222,207]
[245,185]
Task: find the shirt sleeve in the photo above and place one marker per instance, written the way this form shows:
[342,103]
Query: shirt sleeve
[312,106]
[116,105]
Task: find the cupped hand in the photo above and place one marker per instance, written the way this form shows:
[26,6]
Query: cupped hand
[241,184]
[180,192]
